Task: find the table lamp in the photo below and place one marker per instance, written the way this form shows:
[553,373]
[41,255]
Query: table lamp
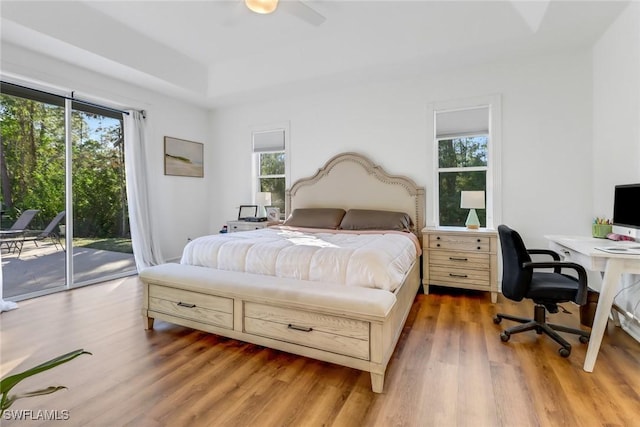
[263,198]
[472,200]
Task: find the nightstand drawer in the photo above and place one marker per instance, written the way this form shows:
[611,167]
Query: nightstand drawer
[476,279]
[452,259]
[235,226]
[456,242]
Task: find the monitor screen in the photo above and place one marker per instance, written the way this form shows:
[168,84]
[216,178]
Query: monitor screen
[626,205]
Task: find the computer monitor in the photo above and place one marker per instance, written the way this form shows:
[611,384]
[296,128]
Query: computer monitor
[626,210]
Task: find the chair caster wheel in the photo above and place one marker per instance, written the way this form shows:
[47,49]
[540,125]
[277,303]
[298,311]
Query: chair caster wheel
[564,352]
[497,320]
[583,339]
[504,336]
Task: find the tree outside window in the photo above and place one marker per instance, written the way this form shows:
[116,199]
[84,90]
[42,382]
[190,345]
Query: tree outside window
[271,177]
[462,165]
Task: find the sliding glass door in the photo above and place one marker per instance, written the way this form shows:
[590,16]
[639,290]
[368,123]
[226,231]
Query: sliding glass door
[102,244]
[65,159]
[32,163]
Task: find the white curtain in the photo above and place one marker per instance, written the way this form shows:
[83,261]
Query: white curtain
[146,250]
[4,305]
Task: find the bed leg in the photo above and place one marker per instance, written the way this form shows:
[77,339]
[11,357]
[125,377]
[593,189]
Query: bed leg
[148,322]
[377,382]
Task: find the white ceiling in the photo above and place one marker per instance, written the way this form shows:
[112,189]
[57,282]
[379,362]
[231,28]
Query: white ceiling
[214,52]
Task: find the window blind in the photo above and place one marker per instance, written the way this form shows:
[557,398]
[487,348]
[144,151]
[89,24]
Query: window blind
[270,140]
[462,122]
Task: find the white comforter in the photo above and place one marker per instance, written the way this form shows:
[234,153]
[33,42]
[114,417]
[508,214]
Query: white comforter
[373,260]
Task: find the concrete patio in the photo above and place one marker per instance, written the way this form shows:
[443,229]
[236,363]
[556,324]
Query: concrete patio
[42,268]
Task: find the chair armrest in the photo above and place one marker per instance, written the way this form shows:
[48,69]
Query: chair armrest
[554,255]
[581,295]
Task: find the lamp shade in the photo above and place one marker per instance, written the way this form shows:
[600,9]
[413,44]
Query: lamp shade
[261,6]
[263,198]
[472,199]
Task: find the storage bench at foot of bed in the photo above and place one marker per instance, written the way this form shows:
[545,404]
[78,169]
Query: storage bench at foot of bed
[354,327]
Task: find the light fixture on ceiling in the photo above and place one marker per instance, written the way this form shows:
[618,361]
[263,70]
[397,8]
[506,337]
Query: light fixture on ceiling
[261,6]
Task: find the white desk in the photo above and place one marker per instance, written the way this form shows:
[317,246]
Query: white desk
[582,250]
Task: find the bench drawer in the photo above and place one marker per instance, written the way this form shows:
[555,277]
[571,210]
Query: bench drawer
[331,333]
[210,309]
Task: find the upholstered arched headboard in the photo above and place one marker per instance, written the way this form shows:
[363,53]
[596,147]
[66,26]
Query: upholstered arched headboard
[352,181]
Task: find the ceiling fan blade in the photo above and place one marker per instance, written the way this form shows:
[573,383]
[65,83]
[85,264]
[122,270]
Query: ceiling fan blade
[300,9]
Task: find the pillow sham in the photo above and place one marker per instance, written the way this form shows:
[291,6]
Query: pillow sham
[366,219]
[316,218]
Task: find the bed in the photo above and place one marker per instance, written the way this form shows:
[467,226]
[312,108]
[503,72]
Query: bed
[340,318]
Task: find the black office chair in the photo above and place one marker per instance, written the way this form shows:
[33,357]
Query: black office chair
[546,289]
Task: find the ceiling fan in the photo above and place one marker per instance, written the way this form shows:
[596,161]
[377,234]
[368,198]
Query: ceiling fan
[296,8]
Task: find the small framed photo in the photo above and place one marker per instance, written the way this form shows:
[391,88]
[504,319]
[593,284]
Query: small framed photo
[247,211]
[273,213]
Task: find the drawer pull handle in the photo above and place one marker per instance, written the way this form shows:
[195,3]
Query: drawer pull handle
[478,240]
[299,328]
[186,304]
[452,258]
[438,245]
[463,276]
[438,238]
[479,248]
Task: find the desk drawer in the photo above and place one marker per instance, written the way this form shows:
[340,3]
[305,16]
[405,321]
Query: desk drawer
[203,308]
[331,333]
[457,242]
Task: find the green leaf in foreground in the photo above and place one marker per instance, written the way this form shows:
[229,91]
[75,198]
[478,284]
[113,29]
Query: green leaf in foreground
[11,381]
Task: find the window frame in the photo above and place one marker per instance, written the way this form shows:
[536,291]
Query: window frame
[255,172]
[493,169]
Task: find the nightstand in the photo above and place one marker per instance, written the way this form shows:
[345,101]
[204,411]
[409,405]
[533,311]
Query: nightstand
[460,258]
[236,225]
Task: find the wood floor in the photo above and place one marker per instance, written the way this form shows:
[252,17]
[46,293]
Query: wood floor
[449,369]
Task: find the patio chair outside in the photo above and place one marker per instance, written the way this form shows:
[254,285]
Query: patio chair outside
[48,233]
[11,235]
[24,220]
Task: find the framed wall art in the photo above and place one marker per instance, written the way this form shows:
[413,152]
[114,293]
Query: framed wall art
[183,158]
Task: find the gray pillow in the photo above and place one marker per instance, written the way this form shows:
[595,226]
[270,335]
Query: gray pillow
[316,218]
[365,219]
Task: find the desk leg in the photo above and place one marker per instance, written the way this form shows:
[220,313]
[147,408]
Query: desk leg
[612,274]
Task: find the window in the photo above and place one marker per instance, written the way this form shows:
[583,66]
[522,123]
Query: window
[466,157]
[269,151]
[462,165]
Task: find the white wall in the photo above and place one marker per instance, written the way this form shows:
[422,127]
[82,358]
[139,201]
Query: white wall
[616,131]
[547,148]
[180,205]
[616,108]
